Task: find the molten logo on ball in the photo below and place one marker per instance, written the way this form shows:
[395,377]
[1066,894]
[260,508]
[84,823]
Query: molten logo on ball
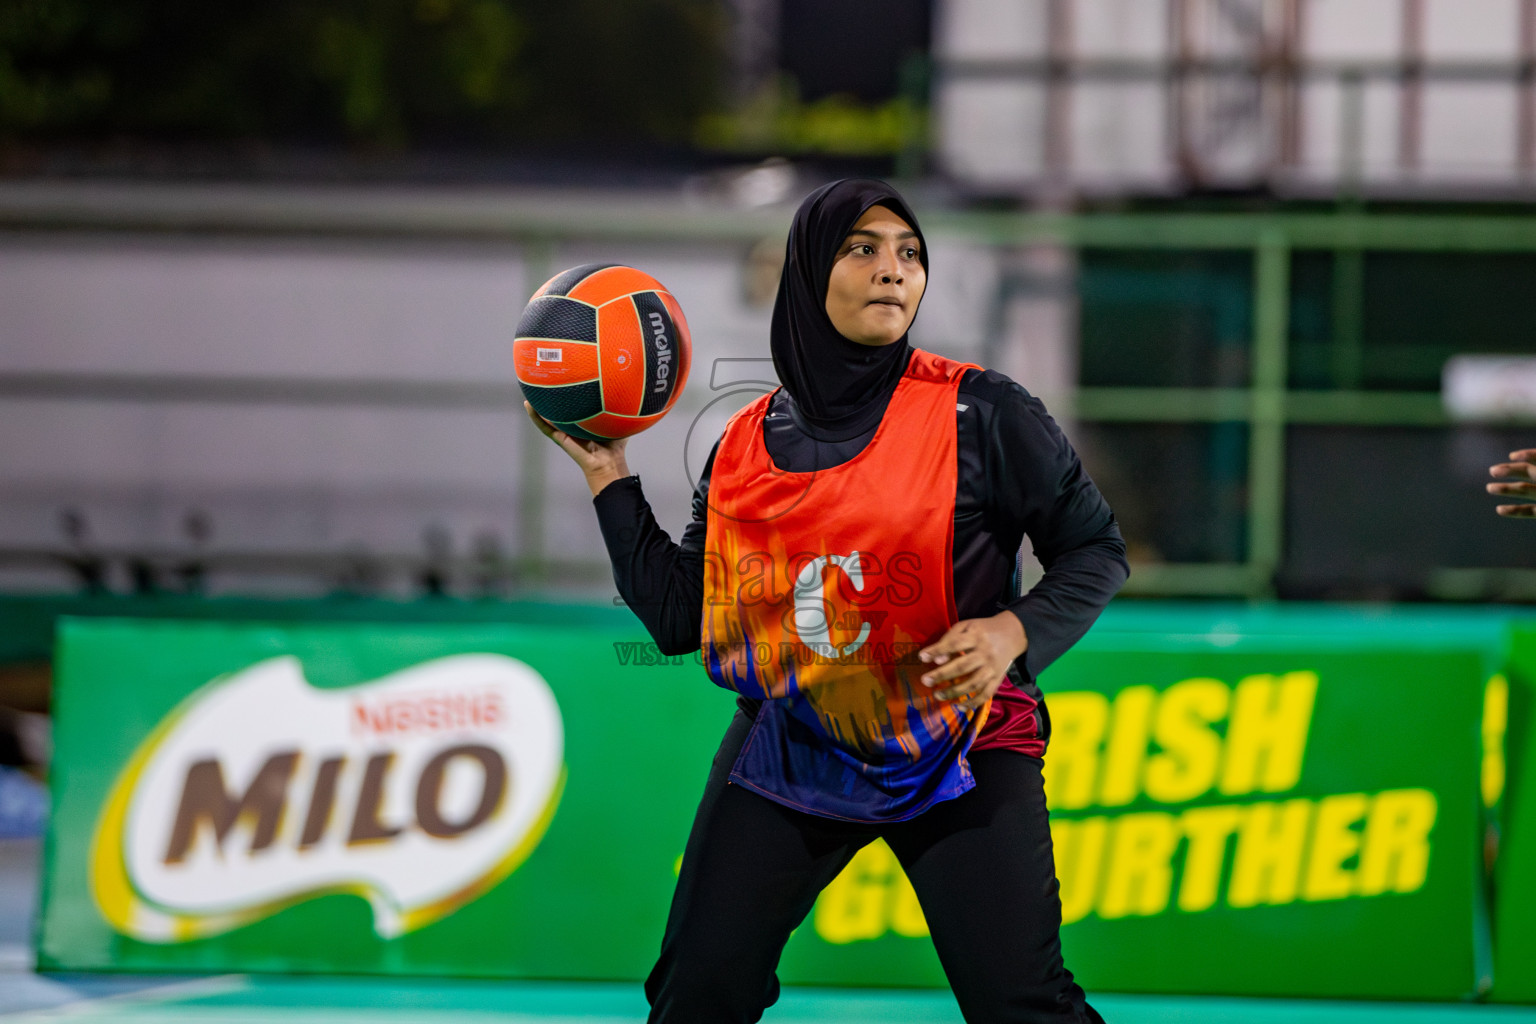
[417,792]
[663,352]
[602,351]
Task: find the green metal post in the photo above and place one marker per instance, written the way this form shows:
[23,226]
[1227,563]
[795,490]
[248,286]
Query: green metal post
[533,488]
[912,88]
[1266,437]
[1347,354]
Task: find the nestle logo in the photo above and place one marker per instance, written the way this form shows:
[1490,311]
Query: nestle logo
[428,712]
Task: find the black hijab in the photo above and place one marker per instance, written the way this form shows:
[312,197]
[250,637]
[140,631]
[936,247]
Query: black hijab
[839,388]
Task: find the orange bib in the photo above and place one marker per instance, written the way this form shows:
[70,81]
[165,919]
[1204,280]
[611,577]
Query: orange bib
[820,589]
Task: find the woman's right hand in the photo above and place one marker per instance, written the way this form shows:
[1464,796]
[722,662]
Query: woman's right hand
[601,462]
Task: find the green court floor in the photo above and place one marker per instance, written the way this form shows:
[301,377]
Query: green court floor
[239,999]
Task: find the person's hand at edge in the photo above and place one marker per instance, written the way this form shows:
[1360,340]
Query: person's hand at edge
[1520,471]
[601,462]
[973,657]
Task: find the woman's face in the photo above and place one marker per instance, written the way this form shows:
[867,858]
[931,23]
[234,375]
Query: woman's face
[877,279]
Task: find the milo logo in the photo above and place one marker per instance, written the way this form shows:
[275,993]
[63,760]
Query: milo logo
[418,791]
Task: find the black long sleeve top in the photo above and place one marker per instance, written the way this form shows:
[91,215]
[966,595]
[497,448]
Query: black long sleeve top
[1018,476]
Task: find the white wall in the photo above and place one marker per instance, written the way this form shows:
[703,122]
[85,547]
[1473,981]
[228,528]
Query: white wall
[991,130]
[298,477]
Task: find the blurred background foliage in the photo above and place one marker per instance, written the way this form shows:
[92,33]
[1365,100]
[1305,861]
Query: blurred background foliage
[383,74]
[776,119]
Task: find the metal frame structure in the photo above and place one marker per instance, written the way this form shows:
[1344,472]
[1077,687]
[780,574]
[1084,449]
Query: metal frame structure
[1267,405]
[1234,70]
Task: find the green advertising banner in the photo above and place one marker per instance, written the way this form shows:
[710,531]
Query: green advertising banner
[1248,814]
[1274,815]
[464,800]
[1514,920]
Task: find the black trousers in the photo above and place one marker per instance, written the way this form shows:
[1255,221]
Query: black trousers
[981,865]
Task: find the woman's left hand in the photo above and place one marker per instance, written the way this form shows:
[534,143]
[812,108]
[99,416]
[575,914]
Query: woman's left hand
[973,657]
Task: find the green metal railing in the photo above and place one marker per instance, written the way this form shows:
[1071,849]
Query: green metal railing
[1267,405]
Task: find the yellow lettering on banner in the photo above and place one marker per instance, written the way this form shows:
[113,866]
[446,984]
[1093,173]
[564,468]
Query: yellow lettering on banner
[1267,734]
[1267,864]
[1079,847]
[1191,748]
[1208,829]
[1140,875]
[1077,732]
[856,904]
[906,913]
[1394,854]
[1334,841]
[1495,722]
[1127,746]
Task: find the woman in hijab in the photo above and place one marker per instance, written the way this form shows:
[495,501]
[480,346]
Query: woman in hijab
[860,526]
